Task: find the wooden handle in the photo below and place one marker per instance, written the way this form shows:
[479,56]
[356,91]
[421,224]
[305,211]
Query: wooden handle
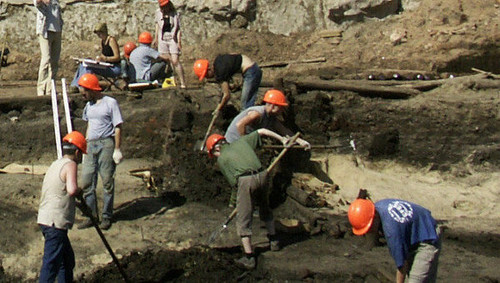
[285,149]
[208,130]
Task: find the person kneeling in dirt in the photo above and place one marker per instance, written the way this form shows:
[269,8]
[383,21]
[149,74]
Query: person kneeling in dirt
[104,139]
[223,69]
[148,64]
[263,116]
[240,165]
[412,235]
[56,213]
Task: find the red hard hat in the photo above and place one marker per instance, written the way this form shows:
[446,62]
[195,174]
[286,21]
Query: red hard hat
[275,96]
[128,48]
[89,81]
[76,138]
[361,214]
[163,2]
[211,141]
[200,68]
[145,37]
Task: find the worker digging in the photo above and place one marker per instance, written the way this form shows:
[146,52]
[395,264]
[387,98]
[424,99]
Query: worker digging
[224,67]
[57,210]
[243,170]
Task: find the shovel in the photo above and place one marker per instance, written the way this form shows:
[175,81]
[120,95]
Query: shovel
[87,212]
[219,230]
[210,126]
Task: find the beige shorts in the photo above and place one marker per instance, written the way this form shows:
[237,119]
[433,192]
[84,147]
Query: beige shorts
[168,47]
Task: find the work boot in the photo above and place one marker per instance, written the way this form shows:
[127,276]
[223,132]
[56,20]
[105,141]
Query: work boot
[85,224]
[105,224]
[246,262]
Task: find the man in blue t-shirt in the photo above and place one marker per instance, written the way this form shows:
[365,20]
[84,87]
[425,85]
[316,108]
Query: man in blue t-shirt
[412,235]
[104,132]
[147,63]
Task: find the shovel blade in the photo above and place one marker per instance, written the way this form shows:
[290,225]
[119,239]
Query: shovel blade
[215,234]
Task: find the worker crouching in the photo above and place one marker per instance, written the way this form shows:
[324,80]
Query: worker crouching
[412,235]
[242,168]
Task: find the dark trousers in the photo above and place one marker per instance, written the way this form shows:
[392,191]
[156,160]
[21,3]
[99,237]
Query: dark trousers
[58,256]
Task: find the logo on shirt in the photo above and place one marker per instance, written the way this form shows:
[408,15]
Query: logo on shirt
[400,211]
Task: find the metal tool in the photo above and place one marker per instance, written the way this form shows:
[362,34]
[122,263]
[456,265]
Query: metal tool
[219,230]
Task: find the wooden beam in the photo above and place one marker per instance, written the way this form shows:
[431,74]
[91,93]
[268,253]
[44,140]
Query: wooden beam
[359,86]
[277,64]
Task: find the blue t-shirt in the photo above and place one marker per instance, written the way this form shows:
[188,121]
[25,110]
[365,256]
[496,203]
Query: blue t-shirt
[141,59]
[405,224]
[102,118]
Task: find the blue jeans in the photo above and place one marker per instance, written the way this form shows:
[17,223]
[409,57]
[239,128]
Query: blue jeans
[58,256]
[158,72]
[99,160]
[251,83]
[109,72]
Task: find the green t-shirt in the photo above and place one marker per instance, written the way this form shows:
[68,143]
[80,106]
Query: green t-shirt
[239,157]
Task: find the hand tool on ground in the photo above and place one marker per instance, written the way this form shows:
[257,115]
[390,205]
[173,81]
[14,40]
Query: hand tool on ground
[219,230]
[210,126]
[87,212]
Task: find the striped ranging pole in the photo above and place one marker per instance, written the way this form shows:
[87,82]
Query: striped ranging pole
[55,114]
[67,111]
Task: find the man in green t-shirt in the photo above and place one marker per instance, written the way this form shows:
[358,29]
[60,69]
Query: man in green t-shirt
[240,165]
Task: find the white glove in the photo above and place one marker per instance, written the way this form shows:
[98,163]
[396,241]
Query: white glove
[117,156]
[303,143]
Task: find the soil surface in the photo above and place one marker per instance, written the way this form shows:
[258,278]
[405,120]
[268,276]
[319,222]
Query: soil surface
[439,148]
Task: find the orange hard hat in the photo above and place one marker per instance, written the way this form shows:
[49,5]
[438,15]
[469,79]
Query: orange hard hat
[275,96]
[76,138]
[145,37]
[361,214]
[211,141]
[89,81]
[128,48]
[201,68]
[163,2]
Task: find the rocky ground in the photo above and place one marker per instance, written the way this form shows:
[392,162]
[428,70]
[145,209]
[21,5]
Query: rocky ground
[437,147]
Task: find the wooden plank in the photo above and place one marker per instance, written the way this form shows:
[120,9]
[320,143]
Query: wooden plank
[361,87]
[330,33]
[277,64]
